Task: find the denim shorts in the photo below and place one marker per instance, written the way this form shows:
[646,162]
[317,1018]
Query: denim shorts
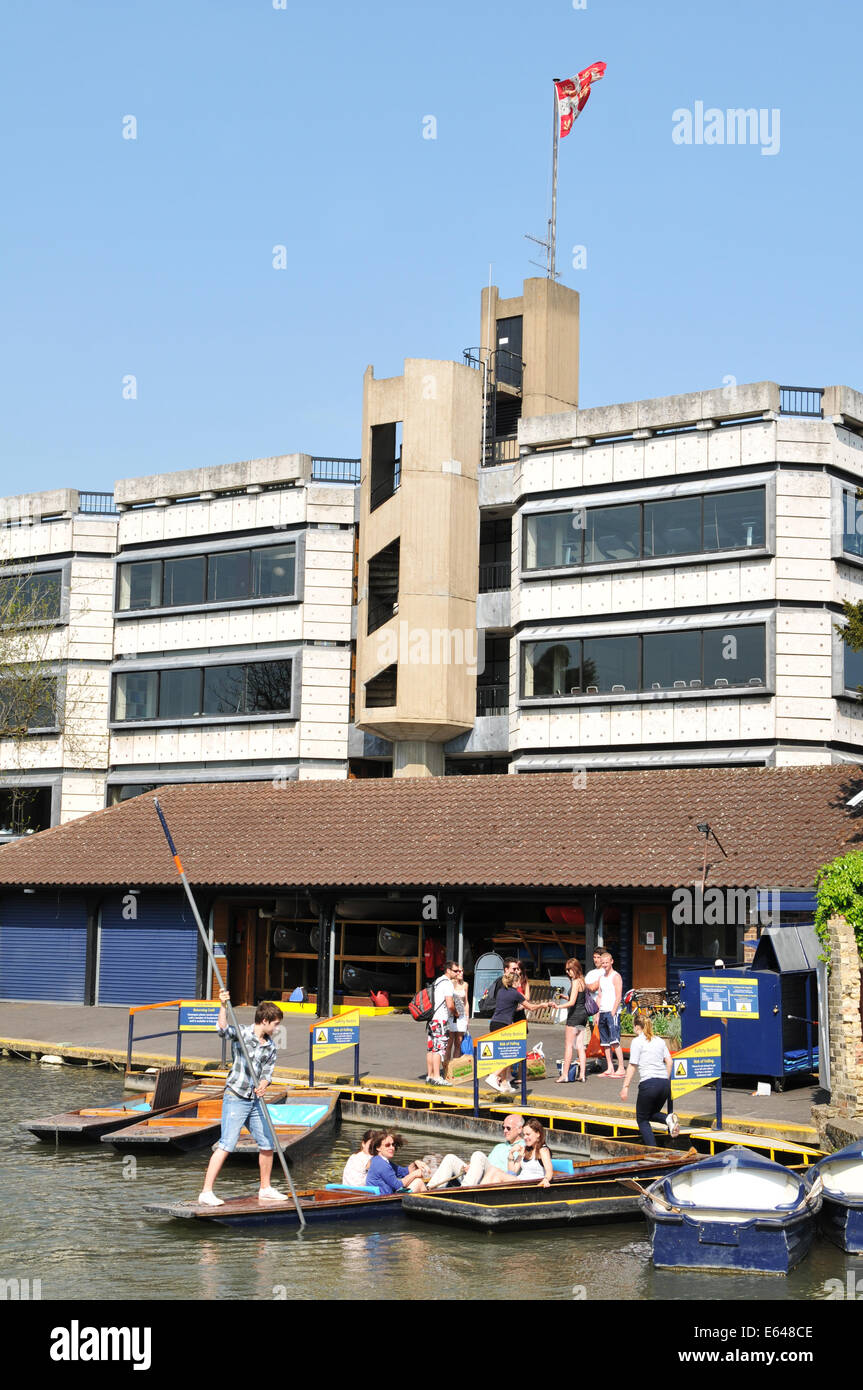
[235,1114]
[609,1029]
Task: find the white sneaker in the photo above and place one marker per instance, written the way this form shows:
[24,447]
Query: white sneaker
[271,1194]
[506,1089]
[493,1082]
[209,1199]
[672,1124]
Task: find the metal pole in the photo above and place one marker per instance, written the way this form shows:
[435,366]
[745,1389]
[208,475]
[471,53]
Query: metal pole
[552,238]
[229,1008]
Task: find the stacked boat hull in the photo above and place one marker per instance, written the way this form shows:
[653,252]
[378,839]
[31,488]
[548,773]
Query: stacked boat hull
[735,1212]
[842,1198]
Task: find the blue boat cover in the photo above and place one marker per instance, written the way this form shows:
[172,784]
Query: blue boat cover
[307,1115]
[734,1160]
[349,1187]
[563,1165]
[139,1105]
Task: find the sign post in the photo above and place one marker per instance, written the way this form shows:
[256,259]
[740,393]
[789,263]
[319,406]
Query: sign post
[329,1035]
[698,1065]
[495,1050]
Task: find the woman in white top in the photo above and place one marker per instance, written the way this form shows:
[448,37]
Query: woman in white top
[653,1060]
[357,1165]
[535,1162]
[457,1026]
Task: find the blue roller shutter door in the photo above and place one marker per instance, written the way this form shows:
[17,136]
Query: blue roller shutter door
[43,947]
[151,958]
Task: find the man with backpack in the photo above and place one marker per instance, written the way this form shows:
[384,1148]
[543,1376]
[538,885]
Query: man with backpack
[444,1011]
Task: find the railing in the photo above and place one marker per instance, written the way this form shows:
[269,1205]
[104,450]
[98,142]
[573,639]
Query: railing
[97,503]
[387,488]
[330,470]
[380,613]
[505,367]
[494,577]
[502,450]
[800,400]
[492,699]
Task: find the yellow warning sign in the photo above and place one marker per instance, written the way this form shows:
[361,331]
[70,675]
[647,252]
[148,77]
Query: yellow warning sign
[332,1034]
[497,1050]
[696,1065]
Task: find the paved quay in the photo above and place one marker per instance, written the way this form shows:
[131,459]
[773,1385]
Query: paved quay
[392,1054]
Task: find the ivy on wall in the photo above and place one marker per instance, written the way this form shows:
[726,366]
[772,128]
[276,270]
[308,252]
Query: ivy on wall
[839,887]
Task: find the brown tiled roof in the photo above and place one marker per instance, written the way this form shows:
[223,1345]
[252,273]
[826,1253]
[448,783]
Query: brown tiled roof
[622,829]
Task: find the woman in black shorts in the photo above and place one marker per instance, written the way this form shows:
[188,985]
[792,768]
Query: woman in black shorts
[576,1022]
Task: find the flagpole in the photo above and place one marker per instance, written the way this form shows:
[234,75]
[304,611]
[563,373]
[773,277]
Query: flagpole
[552,235]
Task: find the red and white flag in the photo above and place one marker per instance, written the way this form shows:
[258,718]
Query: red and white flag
[573,92]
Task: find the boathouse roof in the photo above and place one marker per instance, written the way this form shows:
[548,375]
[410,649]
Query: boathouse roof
[777,826]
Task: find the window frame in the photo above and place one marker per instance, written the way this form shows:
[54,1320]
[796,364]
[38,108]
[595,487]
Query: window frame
[642,499]
[187,552]
[176,664]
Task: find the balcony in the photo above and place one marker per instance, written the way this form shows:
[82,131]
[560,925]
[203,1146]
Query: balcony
[494,577]
[492,699]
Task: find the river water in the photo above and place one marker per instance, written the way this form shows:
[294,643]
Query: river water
[73,1218]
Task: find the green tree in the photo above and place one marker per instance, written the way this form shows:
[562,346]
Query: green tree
[839,887]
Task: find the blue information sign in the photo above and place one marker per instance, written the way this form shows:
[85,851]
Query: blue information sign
[728,996]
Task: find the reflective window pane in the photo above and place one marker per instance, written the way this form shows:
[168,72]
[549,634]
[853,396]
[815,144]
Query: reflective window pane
[223,689]
[268,686]
[30,598]
[671,658]
[612,533]
[853,669]
[852,523]
[552,668]
[553,539]
[229,575]
[610,661]
[184,580]
[180,694]
[673,527]
[141,584]
[273,571]
[135,695]
[734,520]
[734,655]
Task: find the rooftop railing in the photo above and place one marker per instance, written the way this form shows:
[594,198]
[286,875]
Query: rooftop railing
[97,503]
[801,400]
[332,470]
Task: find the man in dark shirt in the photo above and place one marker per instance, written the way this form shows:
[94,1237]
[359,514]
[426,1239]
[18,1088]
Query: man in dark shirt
[510,1006]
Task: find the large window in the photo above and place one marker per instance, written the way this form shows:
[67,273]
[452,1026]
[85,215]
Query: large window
[853,669]
[30,598]
[260,687]
[225,576]
[645,530]
[852,523]
[27,703]
[715,659]
[24,810]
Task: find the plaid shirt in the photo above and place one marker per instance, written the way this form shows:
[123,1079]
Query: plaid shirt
[263,1057]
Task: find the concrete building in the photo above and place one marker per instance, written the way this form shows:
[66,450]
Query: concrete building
[504,582]
[59,547]
[232,626]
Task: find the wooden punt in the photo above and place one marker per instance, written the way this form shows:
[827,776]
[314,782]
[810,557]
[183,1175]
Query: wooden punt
[198,1123]
[326,1206]
[527,1205]
[89,1124]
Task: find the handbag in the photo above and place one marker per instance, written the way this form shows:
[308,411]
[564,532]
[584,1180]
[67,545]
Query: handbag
[467,1045]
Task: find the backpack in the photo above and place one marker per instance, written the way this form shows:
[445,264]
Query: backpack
[487,1004]
[421,1007]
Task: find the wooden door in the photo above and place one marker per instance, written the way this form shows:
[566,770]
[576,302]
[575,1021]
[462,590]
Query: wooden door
[649,947]
[241,955]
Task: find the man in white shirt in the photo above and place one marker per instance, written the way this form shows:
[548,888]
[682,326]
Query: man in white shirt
[437,1028]
[610,994]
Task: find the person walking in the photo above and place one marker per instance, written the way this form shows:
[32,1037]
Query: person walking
[650,1055]
[575,1032]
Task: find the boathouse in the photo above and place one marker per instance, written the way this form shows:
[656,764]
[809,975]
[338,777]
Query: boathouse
[343,887]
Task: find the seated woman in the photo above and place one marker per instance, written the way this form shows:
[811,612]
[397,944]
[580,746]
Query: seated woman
[357,1165]
[536,1160]
[385,1173]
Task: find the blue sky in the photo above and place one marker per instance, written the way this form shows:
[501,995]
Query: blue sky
[260,127]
